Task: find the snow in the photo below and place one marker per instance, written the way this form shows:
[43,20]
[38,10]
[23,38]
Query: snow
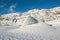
[55,23]
[35,24]
[39,31]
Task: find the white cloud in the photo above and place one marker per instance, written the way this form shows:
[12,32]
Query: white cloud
[11,8]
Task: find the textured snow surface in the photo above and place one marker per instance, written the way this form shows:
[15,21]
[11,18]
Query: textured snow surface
[35,24]
[39,31]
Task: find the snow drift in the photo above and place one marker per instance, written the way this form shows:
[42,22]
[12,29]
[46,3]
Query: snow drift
[39,31]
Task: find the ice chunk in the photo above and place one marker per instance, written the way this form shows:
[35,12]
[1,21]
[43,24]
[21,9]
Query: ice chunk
[30,20]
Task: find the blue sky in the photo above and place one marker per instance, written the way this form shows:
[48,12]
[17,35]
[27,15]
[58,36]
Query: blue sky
[9,6]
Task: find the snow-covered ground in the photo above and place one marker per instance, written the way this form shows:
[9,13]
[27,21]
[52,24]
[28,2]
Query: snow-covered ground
[39,31]
[35,24]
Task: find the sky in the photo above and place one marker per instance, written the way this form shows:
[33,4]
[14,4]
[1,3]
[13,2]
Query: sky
[11,6]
